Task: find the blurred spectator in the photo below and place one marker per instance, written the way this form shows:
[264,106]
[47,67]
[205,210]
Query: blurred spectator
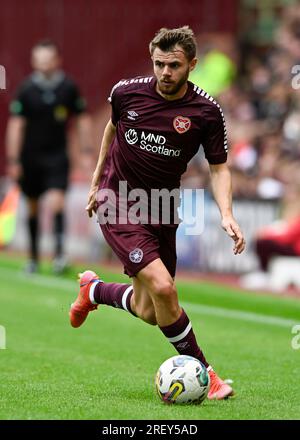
[282,238]
[288,36]
[216,69]
[261,107]
[214,72]
[37,155]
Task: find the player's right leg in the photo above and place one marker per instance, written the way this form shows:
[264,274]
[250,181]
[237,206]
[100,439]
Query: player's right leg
[93,292]
[56,200]
[136,246]
[32,186]
[84,302]
[142,303]
[33,234]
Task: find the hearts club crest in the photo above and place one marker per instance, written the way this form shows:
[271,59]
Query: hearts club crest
[181,124]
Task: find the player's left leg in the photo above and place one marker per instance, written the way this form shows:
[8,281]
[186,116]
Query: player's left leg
[33,229]
[171,318]
[55,182]
[32,187]
[56,199]
[174,322]
[153,298]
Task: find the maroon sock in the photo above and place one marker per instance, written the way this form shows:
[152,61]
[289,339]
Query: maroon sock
[113,294]
[181,335]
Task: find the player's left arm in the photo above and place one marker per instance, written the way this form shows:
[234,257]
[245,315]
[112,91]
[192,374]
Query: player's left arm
[84,128]
[222,191]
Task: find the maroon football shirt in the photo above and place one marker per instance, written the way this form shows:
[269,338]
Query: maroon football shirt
[156,138]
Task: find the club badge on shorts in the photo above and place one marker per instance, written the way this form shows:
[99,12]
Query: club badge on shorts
[136,255]
[181,124]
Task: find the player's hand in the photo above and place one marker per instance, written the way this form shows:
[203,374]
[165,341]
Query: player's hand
[92,201]
[233,230]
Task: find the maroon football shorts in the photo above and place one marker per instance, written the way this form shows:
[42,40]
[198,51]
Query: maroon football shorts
[138,245]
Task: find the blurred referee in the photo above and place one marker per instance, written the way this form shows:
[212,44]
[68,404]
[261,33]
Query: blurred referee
[36,141]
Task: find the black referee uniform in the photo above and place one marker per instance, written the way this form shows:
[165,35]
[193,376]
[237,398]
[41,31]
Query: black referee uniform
[46,105]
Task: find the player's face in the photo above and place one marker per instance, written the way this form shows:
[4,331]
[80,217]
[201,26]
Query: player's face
[172,71]
[45,60]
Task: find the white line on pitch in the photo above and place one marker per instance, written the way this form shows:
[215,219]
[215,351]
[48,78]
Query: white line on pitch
[201,309]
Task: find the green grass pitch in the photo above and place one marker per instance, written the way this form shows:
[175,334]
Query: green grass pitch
[105,369]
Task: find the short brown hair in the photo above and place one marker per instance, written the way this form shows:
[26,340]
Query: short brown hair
[166,39]
[46,43]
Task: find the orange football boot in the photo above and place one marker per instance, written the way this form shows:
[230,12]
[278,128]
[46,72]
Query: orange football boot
[82,306]
[218,388]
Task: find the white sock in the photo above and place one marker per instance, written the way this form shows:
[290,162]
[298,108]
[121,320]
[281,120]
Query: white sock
[91,292]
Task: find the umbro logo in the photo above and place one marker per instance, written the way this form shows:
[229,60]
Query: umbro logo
[182,345]
[131,114]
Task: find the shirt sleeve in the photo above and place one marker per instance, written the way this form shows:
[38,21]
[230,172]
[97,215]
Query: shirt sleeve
[215,138]
[77,103]
[115,100]
[19,106]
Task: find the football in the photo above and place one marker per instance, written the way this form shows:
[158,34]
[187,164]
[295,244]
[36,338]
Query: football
[182,379]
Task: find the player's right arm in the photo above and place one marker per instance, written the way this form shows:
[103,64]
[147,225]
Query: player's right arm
[109,134]
[14,140]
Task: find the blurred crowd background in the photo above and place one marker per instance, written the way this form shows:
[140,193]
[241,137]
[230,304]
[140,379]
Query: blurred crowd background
[259,92]
[249,59]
